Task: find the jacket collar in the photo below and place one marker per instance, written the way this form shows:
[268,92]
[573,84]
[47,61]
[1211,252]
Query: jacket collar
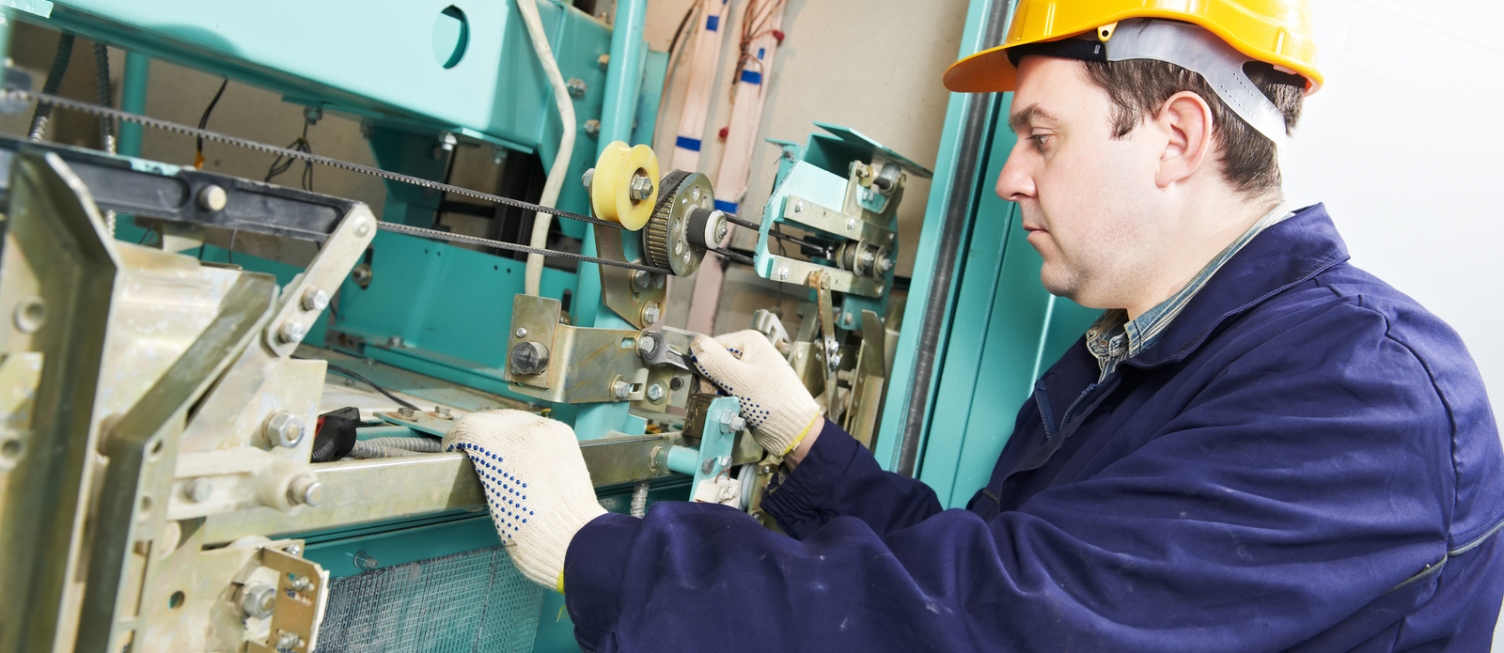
[1284,255]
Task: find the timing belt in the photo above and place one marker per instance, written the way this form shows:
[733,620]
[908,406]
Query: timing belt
[14,94]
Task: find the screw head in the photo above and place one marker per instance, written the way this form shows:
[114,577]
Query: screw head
[395,342]
[642,280]
[592,127]
[306,491]
[783,274]
[650,313]
[720,231]
[656,393]
[257,600]
[300,584]
[285,429]
[588,178]
[521,332]
[292,331]
[199,490]
[850,224]
[737,424]
[529,357]
[409,413]
[576,87]
[294,550]
[315,299]
[213,198]
[799,207]
[604,61]
[447,141]
[621,390]
[647,344]
[288,640]
[707,466]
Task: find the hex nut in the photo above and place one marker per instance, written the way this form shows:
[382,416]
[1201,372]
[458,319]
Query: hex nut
[284,429]
[294,550]
[213,198]
[576,87]
[257,600]
[647,344]
[529,357]
[315,299]
[656,393]
[592,127]
[292,331]
[641,188]
[651,313]
[621,389]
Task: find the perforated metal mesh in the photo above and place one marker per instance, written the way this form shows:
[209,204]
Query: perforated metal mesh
[465,603]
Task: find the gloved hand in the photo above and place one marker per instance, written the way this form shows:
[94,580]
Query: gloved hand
[537,486]
[774,401]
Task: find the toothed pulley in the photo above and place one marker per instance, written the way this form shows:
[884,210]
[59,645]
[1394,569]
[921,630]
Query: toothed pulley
[666,239]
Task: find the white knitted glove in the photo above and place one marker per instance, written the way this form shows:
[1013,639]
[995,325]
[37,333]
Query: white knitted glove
[536,484]
[774,401]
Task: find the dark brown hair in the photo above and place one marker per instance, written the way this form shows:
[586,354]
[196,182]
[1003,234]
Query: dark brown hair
[1139,88]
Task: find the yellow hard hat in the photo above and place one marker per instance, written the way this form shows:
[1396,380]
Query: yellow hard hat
[1277,32]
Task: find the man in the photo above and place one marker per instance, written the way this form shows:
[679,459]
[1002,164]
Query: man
[1258,447]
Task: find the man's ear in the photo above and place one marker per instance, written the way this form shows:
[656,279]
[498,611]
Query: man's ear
[1186,119]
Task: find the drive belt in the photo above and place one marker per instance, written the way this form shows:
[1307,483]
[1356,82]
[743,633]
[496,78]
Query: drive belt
[13,94]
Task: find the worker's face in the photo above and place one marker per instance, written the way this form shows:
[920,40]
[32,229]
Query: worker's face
[1086,197]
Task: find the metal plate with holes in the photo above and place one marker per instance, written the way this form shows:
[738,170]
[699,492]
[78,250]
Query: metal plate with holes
[472,601]
[804,212]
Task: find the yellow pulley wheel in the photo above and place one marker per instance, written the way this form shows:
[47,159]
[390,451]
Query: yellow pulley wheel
[625,186]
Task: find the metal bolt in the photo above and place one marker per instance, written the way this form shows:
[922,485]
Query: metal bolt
[257,600]
[362,227]
[738,424]
[647,344]
[407,412]
[306,491]
[292,331]
[655,393]
[621,390]
[529,357]
[447,141]
[641,188]
[294,550]
[783,274]
[576,87]
[443,411]
[589,177]
[653,462]
[199,490]
[213,198]
[708,465]
[650,313]
[885,265]
[604,61]
[395,342]
[364,561]
[312,115]
[284,429]
[288,640]
[521,332]
[300,584]
[724,461]
[799,207]
[315,299]
[850,224]
[720,231]
[641,280]
[592,127]
[764,470]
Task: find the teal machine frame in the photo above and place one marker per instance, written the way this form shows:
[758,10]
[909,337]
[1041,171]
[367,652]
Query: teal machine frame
[978,329]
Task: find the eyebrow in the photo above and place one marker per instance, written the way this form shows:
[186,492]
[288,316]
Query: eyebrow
[1028,115]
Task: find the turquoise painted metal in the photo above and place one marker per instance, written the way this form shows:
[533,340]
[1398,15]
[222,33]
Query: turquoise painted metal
[1001,328]
[133,100]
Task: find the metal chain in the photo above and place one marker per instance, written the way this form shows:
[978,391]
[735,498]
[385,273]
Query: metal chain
[501,244]
[13,94]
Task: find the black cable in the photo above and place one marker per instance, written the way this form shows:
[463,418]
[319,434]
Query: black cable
[53,83]
[361,378]
[203,122]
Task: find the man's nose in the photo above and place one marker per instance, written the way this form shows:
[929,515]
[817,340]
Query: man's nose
[1015,182]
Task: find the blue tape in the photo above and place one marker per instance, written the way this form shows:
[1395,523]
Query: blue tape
[691,144]
[713,23]
[752,77]
[728,207]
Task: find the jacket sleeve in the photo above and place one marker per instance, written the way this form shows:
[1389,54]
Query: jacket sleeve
[840,478]
[1306,482]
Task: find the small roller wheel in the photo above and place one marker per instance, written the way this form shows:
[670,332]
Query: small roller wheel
[623,188]
[666,241]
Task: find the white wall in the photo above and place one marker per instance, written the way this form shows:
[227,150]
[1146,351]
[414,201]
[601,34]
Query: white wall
[1404,146]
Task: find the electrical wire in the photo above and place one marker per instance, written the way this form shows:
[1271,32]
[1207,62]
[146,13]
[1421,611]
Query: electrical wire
[361,378]
[54,82]
[203,123]
[283,163]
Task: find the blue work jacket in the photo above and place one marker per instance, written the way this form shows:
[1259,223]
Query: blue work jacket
[1306,460]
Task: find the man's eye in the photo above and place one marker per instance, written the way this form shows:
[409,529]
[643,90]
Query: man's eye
[1040,140]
